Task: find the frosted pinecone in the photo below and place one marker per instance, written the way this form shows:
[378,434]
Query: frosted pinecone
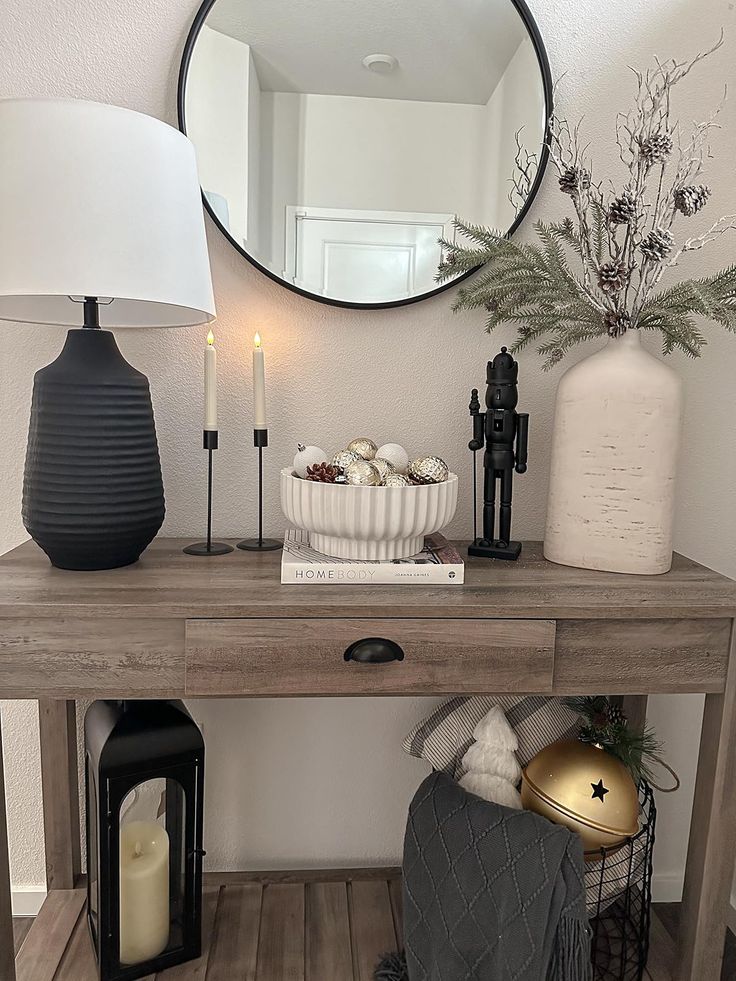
[612,277]
[616,717]
[657,245]
[623,209]
[656,148]
[617,322]
[689,200]
[574,179]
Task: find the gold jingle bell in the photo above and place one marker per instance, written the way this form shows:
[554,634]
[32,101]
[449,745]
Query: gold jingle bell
[586,789]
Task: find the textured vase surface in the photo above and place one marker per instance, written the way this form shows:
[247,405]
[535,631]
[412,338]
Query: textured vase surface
[615,445]
[93,495]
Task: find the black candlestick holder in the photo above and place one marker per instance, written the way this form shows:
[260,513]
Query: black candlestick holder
[260,544]
[208,547]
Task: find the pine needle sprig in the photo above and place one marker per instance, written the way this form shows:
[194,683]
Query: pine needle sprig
[604,724]
[600,271]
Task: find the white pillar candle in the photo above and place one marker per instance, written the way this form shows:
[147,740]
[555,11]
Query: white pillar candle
[210,383]
[259,385]
[144,891]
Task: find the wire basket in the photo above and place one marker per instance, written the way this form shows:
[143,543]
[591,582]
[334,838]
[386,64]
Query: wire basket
[619,897]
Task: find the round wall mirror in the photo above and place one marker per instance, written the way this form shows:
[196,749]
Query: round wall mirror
[337,139]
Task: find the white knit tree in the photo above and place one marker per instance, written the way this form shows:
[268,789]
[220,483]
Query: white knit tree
[492,770]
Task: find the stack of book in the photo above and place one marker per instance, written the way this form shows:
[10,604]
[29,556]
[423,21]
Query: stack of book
[438,562]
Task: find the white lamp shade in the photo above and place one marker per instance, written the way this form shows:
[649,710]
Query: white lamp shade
[99,201]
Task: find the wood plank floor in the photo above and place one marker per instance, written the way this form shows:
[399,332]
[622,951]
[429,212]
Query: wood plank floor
[258,929]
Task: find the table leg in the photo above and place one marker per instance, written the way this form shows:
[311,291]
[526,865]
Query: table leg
[710,860]
[7,950]
[60,786]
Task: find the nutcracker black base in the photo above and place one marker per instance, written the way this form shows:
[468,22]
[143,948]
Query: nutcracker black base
[484,549]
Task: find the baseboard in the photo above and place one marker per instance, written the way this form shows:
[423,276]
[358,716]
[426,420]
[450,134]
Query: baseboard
[667,887]
[27,902]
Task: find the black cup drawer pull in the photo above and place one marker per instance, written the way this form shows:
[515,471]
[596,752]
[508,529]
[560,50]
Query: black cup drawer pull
[374,650]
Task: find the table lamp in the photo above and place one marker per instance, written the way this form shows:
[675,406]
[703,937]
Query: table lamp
[102,226]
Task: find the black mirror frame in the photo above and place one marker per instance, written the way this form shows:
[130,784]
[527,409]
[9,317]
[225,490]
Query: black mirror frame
[544,66]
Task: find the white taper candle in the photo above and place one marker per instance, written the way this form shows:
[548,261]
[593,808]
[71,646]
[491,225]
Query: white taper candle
[259,385]
[210,383]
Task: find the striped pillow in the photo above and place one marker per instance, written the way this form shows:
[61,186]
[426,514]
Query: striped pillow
[443,738]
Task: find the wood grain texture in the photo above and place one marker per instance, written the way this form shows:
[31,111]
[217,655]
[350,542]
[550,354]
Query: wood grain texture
[328,948]
[302,875]
[71,658]
[197,970]
[372,926]
[306,657]
[7,945]
[709,869]
[78,962]
[167,583]
[49,936]
[641,656]
[661,960]
[281,940]
[60,788]
[235,943]
[21,926]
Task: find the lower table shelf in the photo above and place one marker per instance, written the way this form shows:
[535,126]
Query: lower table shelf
[305,926]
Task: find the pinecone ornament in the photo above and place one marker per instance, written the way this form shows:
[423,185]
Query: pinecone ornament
[656,148]
[616,717]
[657,245]
[689,200]
[574,179]
[612,277]
[617,322]
[623,210]
[324,473]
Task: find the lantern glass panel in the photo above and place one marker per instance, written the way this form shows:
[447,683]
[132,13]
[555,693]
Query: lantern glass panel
[93,856]
[152,870]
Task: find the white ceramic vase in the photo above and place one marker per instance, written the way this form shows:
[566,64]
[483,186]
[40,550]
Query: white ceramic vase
[618,418]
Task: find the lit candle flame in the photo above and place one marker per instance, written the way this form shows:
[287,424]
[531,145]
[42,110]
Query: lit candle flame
[210,338]
[257,339]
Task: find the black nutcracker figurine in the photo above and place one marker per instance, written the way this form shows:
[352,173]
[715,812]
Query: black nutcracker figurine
[504,433]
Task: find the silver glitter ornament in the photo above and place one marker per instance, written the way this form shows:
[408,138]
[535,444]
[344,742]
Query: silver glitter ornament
[383,467]
[364,447]
[396,480]
[428,470]
[361,473]
[344,458]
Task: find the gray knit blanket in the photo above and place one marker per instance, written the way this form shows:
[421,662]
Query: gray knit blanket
[490,894]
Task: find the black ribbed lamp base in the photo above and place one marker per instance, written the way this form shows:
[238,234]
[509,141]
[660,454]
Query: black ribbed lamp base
[93,495]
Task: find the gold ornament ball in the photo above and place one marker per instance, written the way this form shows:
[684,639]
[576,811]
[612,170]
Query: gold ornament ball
[396,480]
[344,458]
[585,789]
[364,447]
[428,470]
[362,473]
[383,467]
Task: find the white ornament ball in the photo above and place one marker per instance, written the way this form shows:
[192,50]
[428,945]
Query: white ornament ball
[396,456]
[307,456]
[364,447]
[362,473]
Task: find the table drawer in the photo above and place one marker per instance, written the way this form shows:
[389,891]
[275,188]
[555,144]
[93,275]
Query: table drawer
[307,656]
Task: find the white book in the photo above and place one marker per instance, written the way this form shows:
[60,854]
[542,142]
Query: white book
[438,562]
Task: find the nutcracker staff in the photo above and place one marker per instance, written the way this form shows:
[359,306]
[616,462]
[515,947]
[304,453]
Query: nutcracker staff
[504,433]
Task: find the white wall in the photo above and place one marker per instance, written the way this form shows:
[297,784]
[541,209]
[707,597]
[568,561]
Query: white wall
[516,105]
[216,114]
[335,373]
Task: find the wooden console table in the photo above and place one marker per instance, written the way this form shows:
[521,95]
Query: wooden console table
[180,626]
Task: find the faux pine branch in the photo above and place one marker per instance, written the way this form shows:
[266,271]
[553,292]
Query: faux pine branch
[599,272]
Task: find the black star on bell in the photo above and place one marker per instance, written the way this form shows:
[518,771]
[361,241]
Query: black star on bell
[599,791]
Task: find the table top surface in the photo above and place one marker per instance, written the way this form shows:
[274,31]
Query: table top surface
[167,583]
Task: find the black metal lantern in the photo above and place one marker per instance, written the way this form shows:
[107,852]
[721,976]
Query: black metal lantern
[144,763]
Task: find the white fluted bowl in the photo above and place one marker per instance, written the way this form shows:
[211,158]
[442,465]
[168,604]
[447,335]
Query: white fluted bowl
[367,522]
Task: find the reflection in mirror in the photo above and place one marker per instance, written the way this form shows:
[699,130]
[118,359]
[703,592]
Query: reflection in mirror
[337,139]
